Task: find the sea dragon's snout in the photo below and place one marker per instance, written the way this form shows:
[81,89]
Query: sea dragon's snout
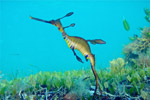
[51,21]
[40,20]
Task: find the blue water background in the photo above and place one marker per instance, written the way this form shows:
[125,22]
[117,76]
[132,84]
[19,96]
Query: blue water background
[28,46]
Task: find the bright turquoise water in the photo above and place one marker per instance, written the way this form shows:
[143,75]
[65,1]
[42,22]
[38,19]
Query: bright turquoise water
[30,46]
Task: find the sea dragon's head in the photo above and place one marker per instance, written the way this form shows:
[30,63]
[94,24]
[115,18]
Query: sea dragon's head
[57,22]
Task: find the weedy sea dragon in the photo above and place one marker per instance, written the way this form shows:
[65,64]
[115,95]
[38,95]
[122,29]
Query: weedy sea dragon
[78,43]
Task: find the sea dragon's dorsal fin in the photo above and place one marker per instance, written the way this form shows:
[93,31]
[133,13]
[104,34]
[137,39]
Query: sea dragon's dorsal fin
[96,41]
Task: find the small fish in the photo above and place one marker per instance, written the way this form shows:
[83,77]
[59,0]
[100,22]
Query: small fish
[126,25]
[131,38]
[135,37]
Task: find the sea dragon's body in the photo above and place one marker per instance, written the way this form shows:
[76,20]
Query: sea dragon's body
[78,43]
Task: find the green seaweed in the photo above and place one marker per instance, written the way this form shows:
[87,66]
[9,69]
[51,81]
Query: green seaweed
[112,80]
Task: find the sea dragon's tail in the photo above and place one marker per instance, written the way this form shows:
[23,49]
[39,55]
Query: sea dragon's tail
[96,41]
[92,60]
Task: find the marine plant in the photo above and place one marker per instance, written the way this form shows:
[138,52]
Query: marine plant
[124,81]
[135,51]
[79,89]
[143,60]
[117,65]
[119,81]
[146,33]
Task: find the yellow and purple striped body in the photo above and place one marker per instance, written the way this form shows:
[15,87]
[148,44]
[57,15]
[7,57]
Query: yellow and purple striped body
[77,43]
[80,44]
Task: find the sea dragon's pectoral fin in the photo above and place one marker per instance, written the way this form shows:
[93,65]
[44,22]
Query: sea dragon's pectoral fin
[78,58]
[96,41]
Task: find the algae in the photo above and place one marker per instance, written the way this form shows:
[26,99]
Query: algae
[119,81]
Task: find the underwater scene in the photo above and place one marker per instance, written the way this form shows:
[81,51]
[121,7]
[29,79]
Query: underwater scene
[75,50]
